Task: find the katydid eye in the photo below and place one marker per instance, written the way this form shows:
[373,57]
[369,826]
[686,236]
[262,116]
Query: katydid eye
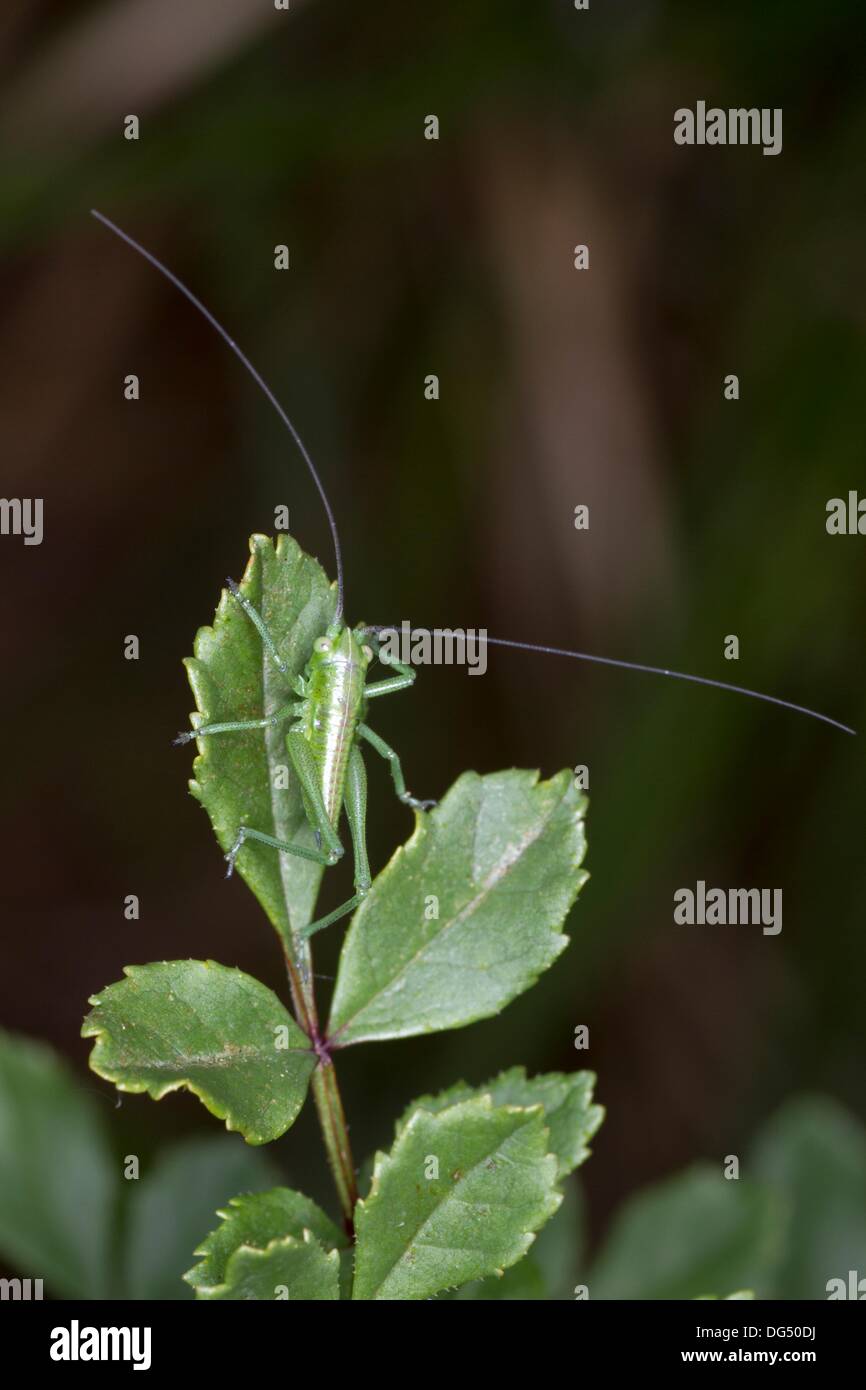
[321,644]
[368,652]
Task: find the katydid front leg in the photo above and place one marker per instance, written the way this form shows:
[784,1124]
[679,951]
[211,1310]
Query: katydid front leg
[402,681]
[236,726]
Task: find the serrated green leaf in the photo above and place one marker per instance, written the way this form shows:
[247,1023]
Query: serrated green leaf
[174,1199]
[208,1028]
[297,1270]
[233,677]
[683,1238]
[58,1180]
[419,1234]
[257,1221]
[500,857]
[549,1272]
[567,1102]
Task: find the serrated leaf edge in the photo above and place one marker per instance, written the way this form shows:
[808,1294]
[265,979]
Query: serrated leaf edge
[262,548]
[424,825]
[595,1112]
[225,1213]
[90,1028]
[208,1291]
[382,1159]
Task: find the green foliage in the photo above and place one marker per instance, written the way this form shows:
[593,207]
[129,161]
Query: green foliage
[696,1234]
[57,1189]
[464,918]
[571,1117]
[233,677]
[459,1196]
[62,1187]
[281,1225]
[218,1032]
[795,1221]
[805,1185]
[287,1268]
[499,859]
[255,1220]
[172,1201]
[813,1154]
[809,338]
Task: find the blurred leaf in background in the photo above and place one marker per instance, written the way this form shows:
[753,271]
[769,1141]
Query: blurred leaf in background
[795,1220]
[70,1217]
[813,1153]
[58,1179]
[693,1235]
[176,1201]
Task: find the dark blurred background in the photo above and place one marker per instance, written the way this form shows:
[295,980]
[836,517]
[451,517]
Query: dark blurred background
[454,257]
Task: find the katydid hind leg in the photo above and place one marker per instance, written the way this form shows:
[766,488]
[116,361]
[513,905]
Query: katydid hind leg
[307,773]
[247,832]
[304,765]
[355,801]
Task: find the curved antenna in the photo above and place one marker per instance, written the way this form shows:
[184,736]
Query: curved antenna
[257,378]
[654,671]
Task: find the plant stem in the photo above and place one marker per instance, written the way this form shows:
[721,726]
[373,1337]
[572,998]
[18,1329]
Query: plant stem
[326,1092]
[303,994]
[335,1133]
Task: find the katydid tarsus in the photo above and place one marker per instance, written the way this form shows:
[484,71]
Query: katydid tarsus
[325,725]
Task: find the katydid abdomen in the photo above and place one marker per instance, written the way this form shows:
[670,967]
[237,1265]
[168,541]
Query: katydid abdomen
[333,706]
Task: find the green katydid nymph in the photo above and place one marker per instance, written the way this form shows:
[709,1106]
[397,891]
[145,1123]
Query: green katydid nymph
[323,746]
[325,726]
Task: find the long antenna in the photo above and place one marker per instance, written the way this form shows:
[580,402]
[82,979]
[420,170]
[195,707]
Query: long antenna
[257,378]
[654,671]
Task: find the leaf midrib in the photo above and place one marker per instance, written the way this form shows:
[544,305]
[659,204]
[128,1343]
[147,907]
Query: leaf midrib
[274,738]
[449,1196]
[242,1053]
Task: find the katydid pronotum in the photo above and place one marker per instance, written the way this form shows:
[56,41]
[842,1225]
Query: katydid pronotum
[325,725]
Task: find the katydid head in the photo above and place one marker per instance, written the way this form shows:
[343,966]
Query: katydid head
[340,646]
